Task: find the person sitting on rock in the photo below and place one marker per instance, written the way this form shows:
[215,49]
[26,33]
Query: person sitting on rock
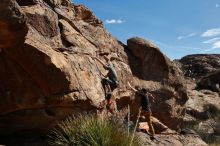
[145,106]
[110,80]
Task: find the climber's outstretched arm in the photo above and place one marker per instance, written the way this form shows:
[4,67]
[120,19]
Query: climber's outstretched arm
[132,87]
[151,96]
[102,74]
[101,62]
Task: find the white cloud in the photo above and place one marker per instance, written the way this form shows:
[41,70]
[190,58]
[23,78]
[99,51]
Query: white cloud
[216,45]
[211,41]
[114,21]
[215,42]
[206,50]
[179,37]
[186,36]
[216,5]
[211,32]
[163,45]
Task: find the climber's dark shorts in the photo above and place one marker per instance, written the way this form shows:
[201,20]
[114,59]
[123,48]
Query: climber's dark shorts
[108,96]
[113,84]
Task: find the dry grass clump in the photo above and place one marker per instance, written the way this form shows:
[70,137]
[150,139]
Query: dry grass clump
[90,130]
[213,110]
[216,143]
[209,131]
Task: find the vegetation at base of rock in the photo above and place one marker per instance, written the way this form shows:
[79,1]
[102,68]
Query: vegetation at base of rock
[216,143]
[90,130]
[208,131]
[213,110]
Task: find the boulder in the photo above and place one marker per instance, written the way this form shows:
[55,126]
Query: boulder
[200,65]
[151,63]
[198,101]
[210,81]
[202,76]
[203,114]
[153,70]
[48,70]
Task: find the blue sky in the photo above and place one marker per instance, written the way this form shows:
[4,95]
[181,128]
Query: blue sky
[178,27]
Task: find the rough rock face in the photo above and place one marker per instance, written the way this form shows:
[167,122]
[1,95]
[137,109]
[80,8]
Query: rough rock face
[202,72]
[155,71]
[199,65]
[150,63]
[210,81]
[47,70]
[202,68]
[202,115]
[198,100]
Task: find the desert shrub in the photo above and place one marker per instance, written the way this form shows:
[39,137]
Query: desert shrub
[89,130]
[206,130]
[216,143]
[213,110]
[211,139]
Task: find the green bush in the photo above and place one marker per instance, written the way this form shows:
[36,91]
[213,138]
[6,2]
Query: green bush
[90,131]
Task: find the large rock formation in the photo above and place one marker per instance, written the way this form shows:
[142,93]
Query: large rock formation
[153,70]
[48,71]
[202,75]
[202,69]
[199,65]
[210,81]
[203,114]
[150,63]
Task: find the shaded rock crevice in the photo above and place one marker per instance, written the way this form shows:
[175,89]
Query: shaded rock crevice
[26,2]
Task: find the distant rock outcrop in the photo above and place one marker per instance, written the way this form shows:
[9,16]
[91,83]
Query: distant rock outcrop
[210,81]
[202,79]
[48,71]
[200,65]
[202,69]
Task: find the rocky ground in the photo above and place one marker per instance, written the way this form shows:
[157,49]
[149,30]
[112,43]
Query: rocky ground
[173,139]
[48,72]
[202,108]
[165,139]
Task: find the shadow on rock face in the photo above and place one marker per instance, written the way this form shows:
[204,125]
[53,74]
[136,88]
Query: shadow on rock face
[26,2]
[151,66]
[146,60]
[211,82]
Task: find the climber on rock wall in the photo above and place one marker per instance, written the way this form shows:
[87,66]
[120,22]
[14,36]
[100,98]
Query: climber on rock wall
[110,83]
